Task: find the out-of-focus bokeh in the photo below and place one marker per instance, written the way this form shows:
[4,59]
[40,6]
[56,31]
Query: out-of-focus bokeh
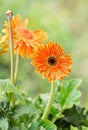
[66,22]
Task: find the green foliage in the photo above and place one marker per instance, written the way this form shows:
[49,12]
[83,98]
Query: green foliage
[34,126]
[26,112]
[83,128]
[4,124]
[68,95]
[75,116]
[47,125]
[7,86]
[43,125]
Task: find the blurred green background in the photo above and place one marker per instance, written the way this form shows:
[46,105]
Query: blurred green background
[66,22]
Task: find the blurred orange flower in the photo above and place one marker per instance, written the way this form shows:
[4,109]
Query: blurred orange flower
[24,40]
[3,45]
[52,61]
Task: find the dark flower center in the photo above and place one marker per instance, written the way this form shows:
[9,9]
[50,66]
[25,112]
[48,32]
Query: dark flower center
[52,61]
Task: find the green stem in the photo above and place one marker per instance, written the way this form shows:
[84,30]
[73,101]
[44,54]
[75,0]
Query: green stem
[47,109]
[10,14]
[58,115]
[16,68]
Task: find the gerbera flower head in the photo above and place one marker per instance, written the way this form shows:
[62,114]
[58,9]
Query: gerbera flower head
[52,61]
[3,45]
[24,39]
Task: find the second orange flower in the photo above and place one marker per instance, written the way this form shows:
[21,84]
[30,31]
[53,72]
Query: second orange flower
[24,39]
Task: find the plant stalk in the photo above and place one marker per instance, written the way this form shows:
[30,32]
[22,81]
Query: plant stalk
[16,68]
[10,15]
[48,106]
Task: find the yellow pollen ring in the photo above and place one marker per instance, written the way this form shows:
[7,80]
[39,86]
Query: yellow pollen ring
[52,61]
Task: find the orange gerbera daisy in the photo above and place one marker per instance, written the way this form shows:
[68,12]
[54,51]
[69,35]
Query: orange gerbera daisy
[52,61]
[24,40]
[3,45]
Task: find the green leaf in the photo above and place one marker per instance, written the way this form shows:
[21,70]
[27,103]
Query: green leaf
[74,128]
[4,124]
[26,109]
[84,128]
[54,109]
[48,125]
[21,126]
[68,94]
[41,100]
[34,126]
[5,110]
[7,86]
[76,116]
